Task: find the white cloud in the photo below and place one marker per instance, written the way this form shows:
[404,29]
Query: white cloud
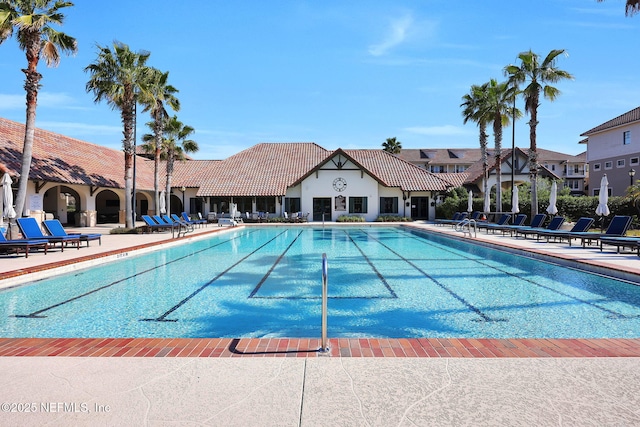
[396,34]
[446,130]
[45,99]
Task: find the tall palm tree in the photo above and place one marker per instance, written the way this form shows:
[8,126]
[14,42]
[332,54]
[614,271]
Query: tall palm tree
[174,145]
[632,7]
[474,108]
[117,76]
[499,104]
[391,145]
[537,75]
[156,94]
[32,20]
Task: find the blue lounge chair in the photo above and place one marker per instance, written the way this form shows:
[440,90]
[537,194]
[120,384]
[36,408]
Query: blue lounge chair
[536,222]
[182,225]
[22,244]
[199,221]
[502,221]
[621,242]
[518,221]
[31,230]
[55,228]
[555,224]
[152,225]
[455,219]
[582,225]
[617,228]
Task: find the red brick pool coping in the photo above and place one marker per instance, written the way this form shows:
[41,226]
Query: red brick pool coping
[295,347]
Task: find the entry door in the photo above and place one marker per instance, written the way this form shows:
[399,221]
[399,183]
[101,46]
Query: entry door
[322,205]
[420,208]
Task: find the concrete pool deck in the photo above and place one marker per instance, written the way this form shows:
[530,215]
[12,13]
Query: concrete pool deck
[360,382]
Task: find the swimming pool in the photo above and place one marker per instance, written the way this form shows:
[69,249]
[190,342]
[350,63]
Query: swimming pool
[266,282]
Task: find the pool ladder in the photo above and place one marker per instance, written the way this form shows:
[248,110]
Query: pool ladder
[325,273]
[465,226]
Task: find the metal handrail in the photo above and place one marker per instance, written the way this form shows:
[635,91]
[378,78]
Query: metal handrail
[468,222]
[325,274]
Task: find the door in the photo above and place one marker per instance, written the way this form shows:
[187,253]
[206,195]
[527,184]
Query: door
[321,205]
[420,208]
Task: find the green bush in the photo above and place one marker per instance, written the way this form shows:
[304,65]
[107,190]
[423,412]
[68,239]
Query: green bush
[393,218]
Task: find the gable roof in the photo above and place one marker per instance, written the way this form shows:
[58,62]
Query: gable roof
[623,119]
[266,169]
[58,158]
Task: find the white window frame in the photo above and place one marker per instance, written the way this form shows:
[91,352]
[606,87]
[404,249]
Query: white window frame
[608,165]
[620,163]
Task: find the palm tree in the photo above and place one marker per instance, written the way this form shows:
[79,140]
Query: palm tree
[117,76]
[391,145]
[475,109]
[632,7]
[156,94]
[537,74]
[499,105]
[32,20]
[174,145]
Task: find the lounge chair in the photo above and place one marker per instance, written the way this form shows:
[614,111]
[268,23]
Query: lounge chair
[152,225]
[617,228]
[55,228]
[199,221]
[517,222]
[31,230]
[455,218]
[183,226]
[555,224]
[502,221]
[536,223]
[621,242]
[22,244]
[453,222]
[582,225]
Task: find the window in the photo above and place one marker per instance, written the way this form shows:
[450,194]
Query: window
[292,204]
[633,161]
[437,169]
[620,163]
[357,205]
[460,168]
[266,204]
[388,205]
[608,165]
[626,137]
[596,167]
[576,169]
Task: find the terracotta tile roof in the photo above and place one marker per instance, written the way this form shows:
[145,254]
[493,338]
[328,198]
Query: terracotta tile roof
[265,169]
[628,117]
[58,158]
[392,171]
[442,156]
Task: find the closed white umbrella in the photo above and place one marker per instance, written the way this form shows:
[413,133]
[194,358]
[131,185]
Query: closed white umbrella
[515,200]
[470,201]
[603,197]
[7,197]
[163,202]
[552,209]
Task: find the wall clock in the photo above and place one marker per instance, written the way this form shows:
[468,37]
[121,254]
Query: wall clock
[339,184]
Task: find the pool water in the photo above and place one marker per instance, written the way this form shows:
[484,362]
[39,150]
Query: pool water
[266,282]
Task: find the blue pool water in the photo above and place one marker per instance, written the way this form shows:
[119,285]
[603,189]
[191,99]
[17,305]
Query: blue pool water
[266,282]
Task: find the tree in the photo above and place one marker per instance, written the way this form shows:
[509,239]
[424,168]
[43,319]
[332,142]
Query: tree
[499,105]
[174,145]
[32,20]
[475,109]
[391,145]
[117,76]
[632,7]
[156,94]
[537,75]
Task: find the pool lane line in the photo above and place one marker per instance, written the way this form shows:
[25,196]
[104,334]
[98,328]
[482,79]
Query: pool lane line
[611,313]
[264,278]
[484,317]
[163,317]
[373,267]
[36,314]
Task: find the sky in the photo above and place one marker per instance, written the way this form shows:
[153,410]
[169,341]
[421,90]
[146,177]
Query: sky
[340,74]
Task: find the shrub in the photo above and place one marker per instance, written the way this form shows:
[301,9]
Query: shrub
[350,218]
[393,218]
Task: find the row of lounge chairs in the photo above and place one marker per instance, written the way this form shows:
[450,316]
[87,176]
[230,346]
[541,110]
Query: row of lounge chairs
[34,238]
[173,222]
[613,236]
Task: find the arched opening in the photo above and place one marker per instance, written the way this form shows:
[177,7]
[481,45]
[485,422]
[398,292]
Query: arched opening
[176,204]
[107,207]
[63,203]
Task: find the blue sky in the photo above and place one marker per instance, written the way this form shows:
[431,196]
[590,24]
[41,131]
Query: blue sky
[341,74]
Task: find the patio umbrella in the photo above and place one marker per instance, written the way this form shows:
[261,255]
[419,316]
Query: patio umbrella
[470,202]
[7,197]
[163,202]
[515,200]
[552,209]
[603,198]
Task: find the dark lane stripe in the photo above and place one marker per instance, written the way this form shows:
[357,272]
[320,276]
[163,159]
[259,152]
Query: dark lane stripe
[264,279]
[36,314]
[163,317]
[470,306]
[373,267]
